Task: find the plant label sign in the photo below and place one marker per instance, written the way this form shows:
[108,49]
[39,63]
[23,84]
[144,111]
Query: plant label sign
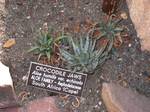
[56,79]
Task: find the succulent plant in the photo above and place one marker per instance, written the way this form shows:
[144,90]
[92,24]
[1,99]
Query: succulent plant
[110,28]
[111,31]
[84,57]
[44,45]
[47,44]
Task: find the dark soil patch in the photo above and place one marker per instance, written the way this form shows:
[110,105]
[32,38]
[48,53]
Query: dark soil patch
[128,66]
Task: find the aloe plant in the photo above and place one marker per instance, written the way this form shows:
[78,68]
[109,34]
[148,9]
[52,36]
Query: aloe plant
[110,30]
[84,57]
[43,46]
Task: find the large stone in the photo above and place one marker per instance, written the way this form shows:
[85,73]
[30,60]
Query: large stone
[119,99]
[7,94]
[13,109]
[46,104]
[140,14]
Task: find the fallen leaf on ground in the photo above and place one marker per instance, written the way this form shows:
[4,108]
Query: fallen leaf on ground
[9,43]
[126,38]
[23,95]
[64,97]
[77,27]
[88,24]
[96,34]
[118,41]
[76,104]
[125,84]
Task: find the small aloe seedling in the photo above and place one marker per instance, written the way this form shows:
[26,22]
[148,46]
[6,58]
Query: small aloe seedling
[110,30]
[84,57]
[44,45]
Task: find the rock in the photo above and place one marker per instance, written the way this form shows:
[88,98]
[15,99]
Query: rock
[140,14]
[46,104]
[119,99]
[14,109]
[2,5]
[7,94]
[9,43]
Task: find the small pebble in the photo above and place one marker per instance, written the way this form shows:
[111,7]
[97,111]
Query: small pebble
[28,17]
[24,78]
[129,45]
[62,11]
[99,103]
[96,106]
[90,90]
[14,8]
[120,59]
[48,14]
[140,74]
[97,91]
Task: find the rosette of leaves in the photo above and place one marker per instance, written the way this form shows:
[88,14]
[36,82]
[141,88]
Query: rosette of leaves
[110,30]
[43,45]
[83,57]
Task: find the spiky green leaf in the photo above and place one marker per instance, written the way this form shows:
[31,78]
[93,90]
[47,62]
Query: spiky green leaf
[48,54]
[66,55]
[33,48]
[86,46]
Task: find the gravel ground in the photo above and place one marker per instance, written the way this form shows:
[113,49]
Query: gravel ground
[128,66]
